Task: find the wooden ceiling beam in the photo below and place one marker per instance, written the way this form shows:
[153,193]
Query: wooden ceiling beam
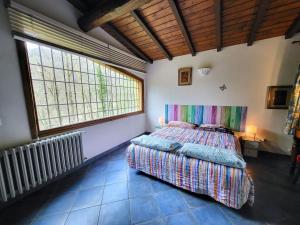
[293,29]
[219,32]
[113,31]
[262,8]
[140,20]
[106,11]
[180,20]
[81,6]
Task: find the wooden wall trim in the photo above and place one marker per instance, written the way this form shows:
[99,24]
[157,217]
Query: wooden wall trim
[27,88]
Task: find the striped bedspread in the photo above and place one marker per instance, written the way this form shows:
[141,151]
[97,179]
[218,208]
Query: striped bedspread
[230,186]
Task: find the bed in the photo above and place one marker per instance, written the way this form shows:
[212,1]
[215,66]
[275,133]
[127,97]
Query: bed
[231,186]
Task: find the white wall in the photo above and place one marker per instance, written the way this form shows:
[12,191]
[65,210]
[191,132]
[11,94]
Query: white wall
[13,114]
[246,71]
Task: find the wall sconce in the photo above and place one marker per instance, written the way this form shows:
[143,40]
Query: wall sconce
[204,71]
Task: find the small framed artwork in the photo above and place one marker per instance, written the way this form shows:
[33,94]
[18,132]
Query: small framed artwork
[185,76]
[278,97]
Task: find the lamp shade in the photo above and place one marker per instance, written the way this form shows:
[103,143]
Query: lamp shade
[251,129]
[161,120]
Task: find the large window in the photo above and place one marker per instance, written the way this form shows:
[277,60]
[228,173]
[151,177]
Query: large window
[71,89]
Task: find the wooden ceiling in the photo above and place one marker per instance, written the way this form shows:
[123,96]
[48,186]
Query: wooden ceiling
[168,28]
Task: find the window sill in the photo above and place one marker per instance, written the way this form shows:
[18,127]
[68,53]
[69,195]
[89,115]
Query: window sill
[58,130]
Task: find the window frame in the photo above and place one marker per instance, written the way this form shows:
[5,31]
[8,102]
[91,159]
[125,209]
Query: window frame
[30,101]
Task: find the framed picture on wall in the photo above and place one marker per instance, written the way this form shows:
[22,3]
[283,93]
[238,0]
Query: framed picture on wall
[278,97]
[185,76]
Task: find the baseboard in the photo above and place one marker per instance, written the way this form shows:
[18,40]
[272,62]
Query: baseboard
[85,163]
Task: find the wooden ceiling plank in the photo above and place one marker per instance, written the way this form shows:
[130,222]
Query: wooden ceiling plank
[113,31]
[262,8]
[218,12]
[182,26]
[103,13]
[293,29]
[145,26]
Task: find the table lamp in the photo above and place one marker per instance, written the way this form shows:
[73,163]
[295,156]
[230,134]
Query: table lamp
[251,129]
[161,121]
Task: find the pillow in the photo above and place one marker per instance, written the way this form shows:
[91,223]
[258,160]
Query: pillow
[208,125]
[221,156]
[181,124]
[156,143]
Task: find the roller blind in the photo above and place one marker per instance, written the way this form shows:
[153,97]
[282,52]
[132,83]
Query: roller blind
[28,24]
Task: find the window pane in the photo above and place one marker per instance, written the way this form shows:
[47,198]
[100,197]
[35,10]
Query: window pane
[33,53]
[61,91]
[36,72]
[39,92]
[48,73]
[59,75]
[57,59]
[69,88]
[46,56]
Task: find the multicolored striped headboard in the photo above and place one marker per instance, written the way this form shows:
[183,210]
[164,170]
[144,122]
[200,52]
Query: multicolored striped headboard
[233,117]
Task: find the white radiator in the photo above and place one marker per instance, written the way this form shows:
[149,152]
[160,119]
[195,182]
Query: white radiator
[28,166]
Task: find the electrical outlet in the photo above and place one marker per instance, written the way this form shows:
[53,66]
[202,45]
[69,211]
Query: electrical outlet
[1,123]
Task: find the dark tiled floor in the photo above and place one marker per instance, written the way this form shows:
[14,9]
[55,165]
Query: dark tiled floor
[109,193]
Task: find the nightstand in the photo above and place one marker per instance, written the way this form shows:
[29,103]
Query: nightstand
[250,146]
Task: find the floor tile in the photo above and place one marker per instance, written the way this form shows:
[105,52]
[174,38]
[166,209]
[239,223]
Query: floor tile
[69,184]
[116,213]
[180,219]
[87,216]
[93,180]
[88,197]
[140,189]
[270,173]
[57,219]
[118,155]
[210,215]
[20,213]
[115,192]
[143,209]
[100,167]
[58,204]
[154,222]
[236,217]
[159,186]
[115,165]
[195,200]
[170,202]
[115,177]
[135,175]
